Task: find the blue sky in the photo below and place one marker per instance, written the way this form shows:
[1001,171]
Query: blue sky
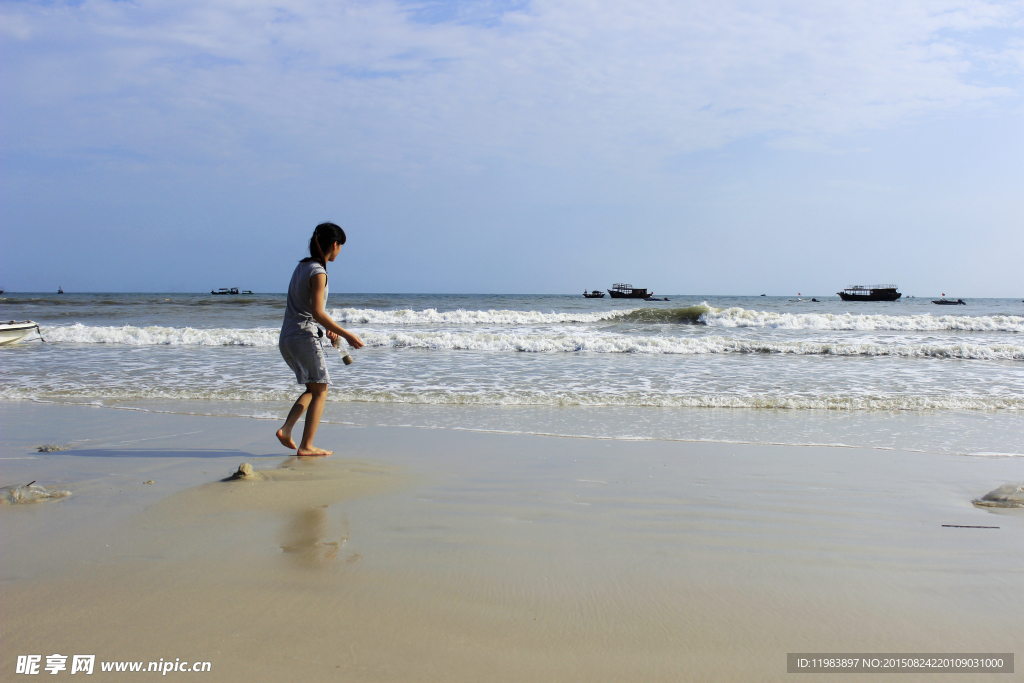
[727,147]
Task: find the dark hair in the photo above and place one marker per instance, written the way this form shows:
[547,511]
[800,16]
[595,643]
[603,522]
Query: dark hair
[324,237]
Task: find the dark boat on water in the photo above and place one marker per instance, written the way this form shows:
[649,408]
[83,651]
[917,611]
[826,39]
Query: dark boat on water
[870,293]
[949,302]
[624,291]
[596,294]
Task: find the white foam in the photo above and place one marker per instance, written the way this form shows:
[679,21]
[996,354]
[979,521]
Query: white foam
[865,402]
[593,343]
[431,316]
[590,342]
[162,336]
[740,317]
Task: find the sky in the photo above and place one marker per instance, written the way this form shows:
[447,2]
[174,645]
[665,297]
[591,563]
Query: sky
[547,146]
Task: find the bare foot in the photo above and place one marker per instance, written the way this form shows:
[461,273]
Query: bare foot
[312,452]
[286,439]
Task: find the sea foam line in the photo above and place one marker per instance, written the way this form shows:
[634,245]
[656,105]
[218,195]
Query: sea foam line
[699,314]
[740,317]
[161,336]
[571,343]
[431,316]
[537,343]
[567,398]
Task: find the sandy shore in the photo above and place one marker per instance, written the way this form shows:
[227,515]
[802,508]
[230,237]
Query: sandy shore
[445,555]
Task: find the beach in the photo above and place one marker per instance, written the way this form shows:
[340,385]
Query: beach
[441,554]
[656,342]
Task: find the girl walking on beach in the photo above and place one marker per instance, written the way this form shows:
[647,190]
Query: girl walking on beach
[300,336]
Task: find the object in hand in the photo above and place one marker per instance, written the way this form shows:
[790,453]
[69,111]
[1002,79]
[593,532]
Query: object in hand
[345,357]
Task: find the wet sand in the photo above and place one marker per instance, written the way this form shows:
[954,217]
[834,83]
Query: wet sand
[445,555]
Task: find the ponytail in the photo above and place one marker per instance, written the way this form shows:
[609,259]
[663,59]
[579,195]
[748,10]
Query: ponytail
[324,237]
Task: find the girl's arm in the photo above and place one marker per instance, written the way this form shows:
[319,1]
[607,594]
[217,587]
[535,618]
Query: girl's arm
[318,283]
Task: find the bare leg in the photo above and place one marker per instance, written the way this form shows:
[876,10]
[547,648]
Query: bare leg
[316,409]
[284,434]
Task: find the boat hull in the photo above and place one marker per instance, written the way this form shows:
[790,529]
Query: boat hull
[14,332]
[873,296]
[629,295]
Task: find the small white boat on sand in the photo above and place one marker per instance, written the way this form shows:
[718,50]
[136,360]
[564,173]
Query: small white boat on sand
[13,331]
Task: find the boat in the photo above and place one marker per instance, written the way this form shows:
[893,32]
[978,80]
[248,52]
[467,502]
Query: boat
[596,294]
[651,298]
[224,291]
[870,293]
[60,290]
[14,330]
[949,302]
[623,291]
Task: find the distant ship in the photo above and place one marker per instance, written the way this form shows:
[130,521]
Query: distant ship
[223,291]
[596,294]
[870,293]
[949,302]
[624,291]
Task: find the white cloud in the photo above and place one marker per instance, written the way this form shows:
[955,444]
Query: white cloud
[552,81]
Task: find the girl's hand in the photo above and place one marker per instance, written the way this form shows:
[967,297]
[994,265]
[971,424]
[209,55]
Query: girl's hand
[333,336]
[353,341]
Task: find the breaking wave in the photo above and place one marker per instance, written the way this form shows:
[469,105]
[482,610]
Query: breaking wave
[740,317]
[161,336]
[537,343]
[699,314]
[431,316]
[569,343]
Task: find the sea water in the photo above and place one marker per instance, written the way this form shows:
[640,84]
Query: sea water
[906,374]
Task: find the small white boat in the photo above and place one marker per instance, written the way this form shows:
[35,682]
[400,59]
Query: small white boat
[13,331]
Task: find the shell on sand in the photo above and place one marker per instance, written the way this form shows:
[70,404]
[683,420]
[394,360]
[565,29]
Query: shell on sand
[1006,496]
[29,493]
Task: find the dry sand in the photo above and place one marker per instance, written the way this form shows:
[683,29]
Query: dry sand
[440,555]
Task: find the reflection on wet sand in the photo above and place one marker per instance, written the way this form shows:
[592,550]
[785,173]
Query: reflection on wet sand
[304,539]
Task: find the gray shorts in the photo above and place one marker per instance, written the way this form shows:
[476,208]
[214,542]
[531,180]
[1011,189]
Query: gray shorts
[305,356]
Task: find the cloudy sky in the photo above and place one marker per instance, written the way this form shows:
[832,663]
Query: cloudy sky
[701,146]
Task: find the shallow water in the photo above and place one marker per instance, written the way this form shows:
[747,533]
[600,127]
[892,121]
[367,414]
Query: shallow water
[694,368]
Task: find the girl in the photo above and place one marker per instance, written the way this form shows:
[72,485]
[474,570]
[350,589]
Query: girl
[300,336]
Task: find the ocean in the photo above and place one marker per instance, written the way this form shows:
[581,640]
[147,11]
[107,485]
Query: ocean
[903,375]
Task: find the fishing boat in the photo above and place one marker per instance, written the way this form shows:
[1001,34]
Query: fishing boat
[596,294]
[948,302]
[224,291]
[623,291]
[14,330]
[870,293]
